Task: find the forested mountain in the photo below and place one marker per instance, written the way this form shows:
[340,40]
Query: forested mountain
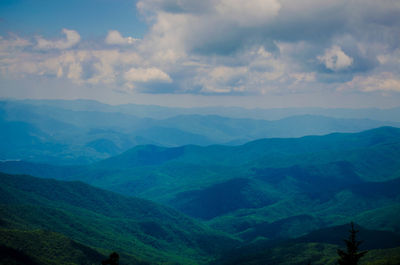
[271,188]
[36,247]
[139,229]
[186,188]
[318,247]
[80,132]
[52,222]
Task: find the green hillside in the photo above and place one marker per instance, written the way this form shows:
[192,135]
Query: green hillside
[45,221]
[249,189]
[318,247]
[106,220]
[331,178]
[267,200]
[305,253]
[45,247]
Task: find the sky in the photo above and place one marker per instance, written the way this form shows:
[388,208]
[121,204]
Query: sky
[250,53]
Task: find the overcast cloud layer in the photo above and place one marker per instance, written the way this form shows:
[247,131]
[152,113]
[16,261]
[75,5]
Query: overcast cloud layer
[226,47]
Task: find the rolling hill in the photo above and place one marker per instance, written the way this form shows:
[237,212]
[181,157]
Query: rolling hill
[318,247]
[105,220]
[262,186]
[44,221]
[44,247]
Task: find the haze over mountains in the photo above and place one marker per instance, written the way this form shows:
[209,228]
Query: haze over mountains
[186,186]
[161,112]
[80,132]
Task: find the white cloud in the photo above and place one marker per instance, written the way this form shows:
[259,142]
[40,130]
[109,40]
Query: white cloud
[383,82]
[225,74]
[303,77]
[80,66]
[175,25]
[75,72]
[108,64]
[15,42]
[71,39]
[247,13]
[114,37]
[335,59]
[143,75]
[222,79]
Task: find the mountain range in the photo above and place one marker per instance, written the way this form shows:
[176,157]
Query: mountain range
[331,179]
[80,132]
[54,222]
[81,179]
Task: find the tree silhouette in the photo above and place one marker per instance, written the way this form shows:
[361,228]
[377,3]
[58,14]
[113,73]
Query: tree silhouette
[112,260]
[351,255]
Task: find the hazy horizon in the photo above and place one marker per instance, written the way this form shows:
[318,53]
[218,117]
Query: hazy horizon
[207,103]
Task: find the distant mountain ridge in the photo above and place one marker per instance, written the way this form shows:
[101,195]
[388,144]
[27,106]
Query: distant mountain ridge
[162,112]
[81,132]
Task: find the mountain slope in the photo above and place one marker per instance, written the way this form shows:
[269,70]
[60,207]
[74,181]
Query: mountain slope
[45,247]
[106,220]
[318,247]
[370,155]
[246,190]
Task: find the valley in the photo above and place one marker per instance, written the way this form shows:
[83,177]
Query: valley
[251,203]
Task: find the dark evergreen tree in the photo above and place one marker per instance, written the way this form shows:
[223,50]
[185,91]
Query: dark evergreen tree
[112,260]
[351,255]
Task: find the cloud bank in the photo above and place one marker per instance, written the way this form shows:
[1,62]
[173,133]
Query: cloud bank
[232,47]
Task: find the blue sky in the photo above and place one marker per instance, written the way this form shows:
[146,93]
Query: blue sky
[253,53]
[92,18]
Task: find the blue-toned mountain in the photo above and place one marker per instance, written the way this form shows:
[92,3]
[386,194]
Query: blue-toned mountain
[82,132]
[243,189]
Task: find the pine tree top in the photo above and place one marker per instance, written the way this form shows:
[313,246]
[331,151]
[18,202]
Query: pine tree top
[351,255]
